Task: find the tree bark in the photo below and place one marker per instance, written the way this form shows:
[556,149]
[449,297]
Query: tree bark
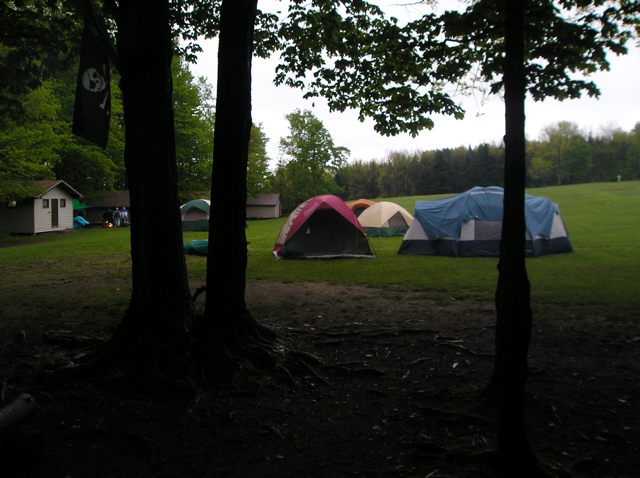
[226,317]
[160,310]
[513,305]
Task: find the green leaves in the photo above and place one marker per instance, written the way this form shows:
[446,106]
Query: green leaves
[565,41]
[29,145]
[28,54]
[309,160]
[194,117]
[355,57]
[563,157]
[361,60]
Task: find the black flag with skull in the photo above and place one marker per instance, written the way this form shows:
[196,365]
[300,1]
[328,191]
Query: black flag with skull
[92,108]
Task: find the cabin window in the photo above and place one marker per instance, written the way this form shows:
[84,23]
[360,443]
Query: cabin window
[45,203]
[63,203]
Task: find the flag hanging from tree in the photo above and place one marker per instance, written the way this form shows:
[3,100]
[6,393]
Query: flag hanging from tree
[92,108]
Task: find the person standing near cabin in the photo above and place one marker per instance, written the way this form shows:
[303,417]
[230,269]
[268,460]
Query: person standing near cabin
[108,217]
[124,216]
[116,217]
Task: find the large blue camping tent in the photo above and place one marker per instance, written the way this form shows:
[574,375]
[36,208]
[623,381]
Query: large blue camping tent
[470,224]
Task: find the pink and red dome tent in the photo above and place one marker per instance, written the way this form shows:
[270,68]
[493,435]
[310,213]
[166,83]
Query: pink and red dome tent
[322,228]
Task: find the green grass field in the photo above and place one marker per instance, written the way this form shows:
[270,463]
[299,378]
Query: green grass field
[599,278]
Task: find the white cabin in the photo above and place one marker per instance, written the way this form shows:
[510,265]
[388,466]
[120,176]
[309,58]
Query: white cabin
[52,210]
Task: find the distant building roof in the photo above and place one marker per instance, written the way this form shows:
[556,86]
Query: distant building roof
[264,200]
[110,199]
[49,184]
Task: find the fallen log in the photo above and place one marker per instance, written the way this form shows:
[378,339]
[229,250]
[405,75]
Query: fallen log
[14,414]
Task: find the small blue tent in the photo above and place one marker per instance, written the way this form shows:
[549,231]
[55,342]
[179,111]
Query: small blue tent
[470,224]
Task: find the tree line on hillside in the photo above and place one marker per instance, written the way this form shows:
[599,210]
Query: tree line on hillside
[561,156]
[310,164]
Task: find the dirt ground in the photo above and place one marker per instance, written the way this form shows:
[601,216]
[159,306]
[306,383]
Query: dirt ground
[388,384]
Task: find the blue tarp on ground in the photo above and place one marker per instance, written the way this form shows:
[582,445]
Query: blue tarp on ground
[200,248]
[79,222]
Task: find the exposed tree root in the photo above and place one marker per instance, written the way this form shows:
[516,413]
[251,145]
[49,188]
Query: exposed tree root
[148,351]
[184,361]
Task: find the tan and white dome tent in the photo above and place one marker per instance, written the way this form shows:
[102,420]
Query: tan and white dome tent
[385,219]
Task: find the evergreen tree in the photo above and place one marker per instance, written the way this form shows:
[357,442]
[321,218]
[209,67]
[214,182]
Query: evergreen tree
[484,167]
[614,153]
[440,174]
[632,169]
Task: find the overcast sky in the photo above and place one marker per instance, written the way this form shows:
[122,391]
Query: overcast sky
[617,107]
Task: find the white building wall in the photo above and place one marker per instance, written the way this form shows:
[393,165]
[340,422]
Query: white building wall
[43,215]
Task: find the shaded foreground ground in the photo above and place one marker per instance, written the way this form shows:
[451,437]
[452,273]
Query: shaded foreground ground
[393,391]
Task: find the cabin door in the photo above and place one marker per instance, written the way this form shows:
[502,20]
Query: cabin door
[54,213]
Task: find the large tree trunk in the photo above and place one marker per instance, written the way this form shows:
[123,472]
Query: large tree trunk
[513,306]
[227,320]
[160,311]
